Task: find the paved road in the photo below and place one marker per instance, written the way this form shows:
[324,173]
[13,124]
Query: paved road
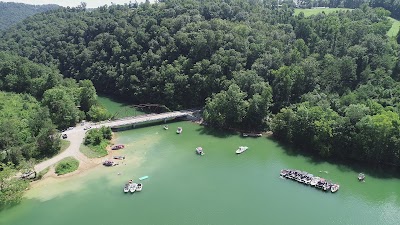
[75,136]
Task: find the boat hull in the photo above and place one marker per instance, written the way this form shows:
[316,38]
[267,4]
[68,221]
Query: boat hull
[139,187]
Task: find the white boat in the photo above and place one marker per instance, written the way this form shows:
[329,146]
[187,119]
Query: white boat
[139,187]
[126,188]
[179,130]
[315,181]
[199,151]
[335,188]
[361,177]
[132,187]
[241,149]
[166,127]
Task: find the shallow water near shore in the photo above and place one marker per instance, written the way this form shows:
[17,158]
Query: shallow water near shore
[217,188]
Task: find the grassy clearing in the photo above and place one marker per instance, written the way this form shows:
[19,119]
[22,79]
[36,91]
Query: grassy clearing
[97,151]
[394,29]
[67,165]
[42,173]
[96,142]
[64,145]
[309,12]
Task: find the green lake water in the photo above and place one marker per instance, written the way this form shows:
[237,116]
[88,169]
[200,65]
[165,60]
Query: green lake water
[217,188]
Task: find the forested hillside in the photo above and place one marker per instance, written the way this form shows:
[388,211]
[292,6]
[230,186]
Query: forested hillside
[45,102]
[325,83]
[12,13]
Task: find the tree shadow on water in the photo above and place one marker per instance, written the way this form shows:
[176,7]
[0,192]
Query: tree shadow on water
[203,130]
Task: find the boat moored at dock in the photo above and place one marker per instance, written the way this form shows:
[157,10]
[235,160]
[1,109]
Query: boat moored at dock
[132,187]
[335,188]
[126,188]
[139,187]
[309,179]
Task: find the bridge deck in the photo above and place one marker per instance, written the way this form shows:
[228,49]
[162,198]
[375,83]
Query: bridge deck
[145,118]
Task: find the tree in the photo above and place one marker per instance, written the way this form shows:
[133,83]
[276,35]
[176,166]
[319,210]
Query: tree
[88,96]
[227,108]
[63,110]
[11,188]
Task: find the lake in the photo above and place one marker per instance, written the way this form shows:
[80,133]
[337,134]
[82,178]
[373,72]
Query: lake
[217,188]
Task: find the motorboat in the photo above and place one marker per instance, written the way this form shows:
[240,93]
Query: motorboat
[241,149]
[166,127]
[309,178]
[109,163]
[314,181]
[361,177]
[132,187]
[179,130]
[326,186]
[284,172]
[199,151]
[335,188]
[139,187]
[117,147]
[126,188]
[119,157]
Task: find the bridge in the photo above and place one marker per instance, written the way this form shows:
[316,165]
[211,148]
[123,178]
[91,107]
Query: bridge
[132,121]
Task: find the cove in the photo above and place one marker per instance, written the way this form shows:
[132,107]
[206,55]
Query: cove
[217,188]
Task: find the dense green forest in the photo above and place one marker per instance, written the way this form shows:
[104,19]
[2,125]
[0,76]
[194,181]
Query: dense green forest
[12,13]
[327,83]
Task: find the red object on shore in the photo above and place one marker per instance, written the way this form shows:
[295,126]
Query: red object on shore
[117,147]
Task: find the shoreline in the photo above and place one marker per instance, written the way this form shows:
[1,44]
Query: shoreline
[85,164]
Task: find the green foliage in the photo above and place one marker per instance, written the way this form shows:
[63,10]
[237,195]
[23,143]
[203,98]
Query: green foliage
[42,173]
[98,113]
[11,187]
[226,108]
[18,74]
[26,130]
[63,110]
[67,165]
[97,140]
[64,145]
[88,96]
[66,98]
